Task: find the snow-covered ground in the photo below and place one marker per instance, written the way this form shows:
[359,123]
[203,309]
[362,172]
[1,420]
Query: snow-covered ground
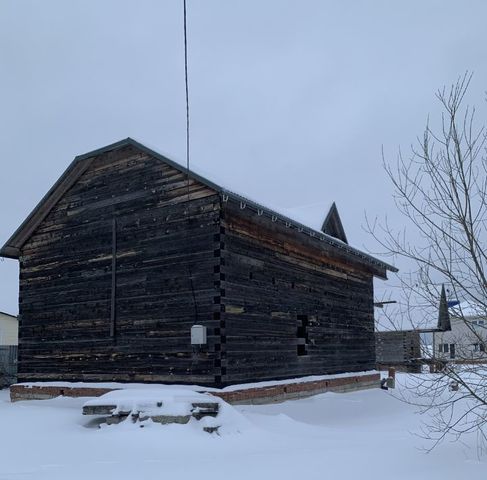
[367,435]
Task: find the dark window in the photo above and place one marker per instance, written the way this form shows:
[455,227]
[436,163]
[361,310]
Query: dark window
[302,335]
[482,347]
[452,350]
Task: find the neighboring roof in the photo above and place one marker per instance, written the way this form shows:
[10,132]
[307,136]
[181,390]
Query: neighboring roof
[81,163]
[466,309]
[443,314]
[8,315]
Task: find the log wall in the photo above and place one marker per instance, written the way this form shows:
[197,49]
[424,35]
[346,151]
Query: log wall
[401,349]
[129,259]
[87,315]
[291,308]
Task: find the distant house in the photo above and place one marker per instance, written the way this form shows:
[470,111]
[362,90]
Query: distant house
[9,339]
[9,329]
[404,349]
[134,269]
[467,339]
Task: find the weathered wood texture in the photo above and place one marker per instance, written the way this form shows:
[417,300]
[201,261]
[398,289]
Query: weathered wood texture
[106,293]
[73,325]
[401,348]
[290,306]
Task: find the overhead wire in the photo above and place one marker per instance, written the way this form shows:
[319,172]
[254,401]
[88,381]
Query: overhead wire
[186,85]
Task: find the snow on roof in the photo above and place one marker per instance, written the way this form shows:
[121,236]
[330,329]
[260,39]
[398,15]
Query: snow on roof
[468,309]
[311,214]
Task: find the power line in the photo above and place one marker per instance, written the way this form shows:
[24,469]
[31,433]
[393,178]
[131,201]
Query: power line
[190,273]
[187,88]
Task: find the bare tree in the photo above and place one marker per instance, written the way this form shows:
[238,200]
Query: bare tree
[440,190]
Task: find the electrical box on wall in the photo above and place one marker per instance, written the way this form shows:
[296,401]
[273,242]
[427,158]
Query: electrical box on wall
[198,335]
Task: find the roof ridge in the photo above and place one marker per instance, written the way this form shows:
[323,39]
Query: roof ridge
[76,168]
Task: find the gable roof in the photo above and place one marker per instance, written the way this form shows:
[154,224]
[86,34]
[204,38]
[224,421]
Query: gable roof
[81,163]
[8,315]
[332,225]
[443,313]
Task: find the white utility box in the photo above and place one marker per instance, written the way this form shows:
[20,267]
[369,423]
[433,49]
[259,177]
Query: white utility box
[198,335]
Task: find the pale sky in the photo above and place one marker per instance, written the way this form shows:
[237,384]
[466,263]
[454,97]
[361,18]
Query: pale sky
[291,101]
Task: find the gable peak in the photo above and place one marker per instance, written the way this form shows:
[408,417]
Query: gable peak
[332,224]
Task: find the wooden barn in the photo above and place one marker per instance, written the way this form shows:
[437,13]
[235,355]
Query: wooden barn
[127,252]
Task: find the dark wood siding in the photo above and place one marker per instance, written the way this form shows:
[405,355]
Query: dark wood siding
[278,303]
[66,277]
[401,348]
[281,289]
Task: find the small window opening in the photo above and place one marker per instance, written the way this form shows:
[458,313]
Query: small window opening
[302,335]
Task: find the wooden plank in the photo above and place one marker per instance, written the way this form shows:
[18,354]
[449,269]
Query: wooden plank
[86,278]
[114,279]
[271,277]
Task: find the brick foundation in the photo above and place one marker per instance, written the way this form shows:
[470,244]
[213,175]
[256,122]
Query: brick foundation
[24,392]
[254,395]
[287,391]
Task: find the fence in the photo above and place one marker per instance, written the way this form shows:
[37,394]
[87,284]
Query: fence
[8,365]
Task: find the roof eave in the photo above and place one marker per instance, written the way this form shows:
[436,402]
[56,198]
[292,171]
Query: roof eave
[13,245]
[362,256]
[8,251]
